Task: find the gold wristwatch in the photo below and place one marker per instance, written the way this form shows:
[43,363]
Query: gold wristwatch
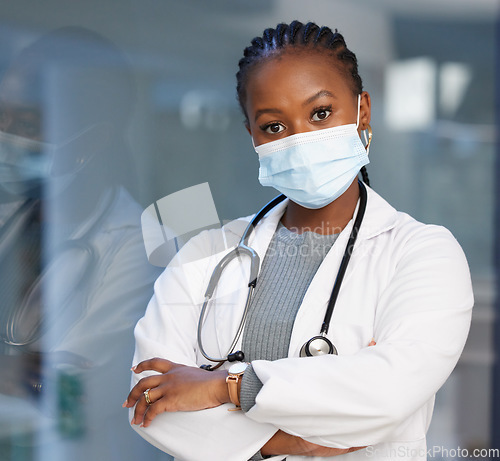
[235,371]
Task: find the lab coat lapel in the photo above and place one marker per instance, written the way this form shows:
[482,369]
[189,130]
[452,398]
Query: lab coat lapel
[379,217]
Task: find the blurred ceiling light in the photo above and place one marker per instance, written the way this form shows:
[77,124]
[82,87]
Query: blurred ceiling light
[454,80]
[410,94]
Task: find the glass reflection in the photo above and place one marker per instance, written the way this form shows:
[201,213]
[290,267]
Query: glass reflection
[73,267]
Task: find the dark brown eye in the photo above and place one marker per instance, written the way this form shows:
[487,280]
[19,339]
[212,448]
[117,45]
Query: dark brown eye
[274,128]
[321,115]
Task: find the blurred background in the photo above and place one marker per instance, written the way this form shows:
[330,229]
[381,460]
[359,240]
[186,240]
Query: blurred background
[132,101]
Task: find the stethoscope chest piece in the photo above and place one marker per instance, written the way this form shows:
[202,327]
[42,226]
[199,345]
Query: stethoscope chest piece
[318,345]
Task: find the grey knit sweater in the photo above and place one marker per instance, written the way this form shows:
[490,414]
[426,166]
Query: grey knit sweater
[289,265]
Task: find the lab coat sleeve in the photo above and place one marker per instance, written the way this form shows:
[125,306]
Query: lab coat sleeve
[421,324]
[168,330]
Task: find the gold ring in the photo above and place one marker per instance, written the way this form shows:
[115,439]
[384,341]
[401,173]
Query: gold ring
[146,396]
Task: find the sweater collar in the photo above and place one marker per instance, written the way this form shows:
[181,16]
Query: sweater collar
[379,217]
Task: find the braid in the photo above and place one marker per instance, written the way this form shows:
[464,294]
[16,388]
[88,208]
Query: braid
[257,43]
[268,38]
[294,28]
[309,29]
[351,64]
[323,32]
[364,175]
[280,34]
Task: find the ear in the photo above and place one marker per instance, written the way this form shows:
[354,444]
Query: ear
[365,111]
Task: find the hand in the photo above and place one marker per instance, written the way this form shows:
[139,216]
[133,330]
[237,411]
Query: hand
[176,388]
[282,443]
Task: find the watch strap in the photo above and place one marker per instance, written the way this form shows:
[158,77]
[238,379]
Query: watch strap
[232,385]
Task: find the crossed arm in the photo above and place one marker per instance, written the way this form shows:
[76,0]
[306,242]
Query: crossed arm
[414,355]
[183,388]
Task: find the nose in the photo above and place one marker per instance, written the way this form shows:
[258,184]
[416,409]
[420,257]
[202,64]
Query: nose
[299,126]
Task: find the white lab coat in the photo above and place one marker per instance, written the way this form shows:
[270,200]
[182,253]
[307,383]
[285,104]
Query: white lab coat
[407,286]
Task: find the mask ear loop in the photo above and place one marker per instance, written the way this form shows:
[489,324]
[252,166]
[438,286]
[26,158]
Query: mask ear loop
[359,110]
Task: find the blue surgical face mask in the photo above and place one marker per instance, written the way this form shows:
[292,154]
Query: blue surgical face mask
[315,168]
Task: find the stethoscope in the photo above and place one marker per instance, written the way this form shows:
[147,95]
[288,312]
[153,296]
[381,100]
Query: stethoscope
[317,345]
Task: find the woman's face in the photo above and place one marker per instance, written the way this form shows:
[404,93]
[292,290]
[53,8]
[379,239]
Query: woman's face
[299,92]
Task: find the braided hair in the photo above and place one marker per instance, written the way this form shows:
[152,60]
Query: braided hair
[297,35]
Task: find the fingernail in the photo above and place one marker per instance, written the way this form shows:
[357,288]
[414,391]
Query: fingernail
[124,404]
[134,367]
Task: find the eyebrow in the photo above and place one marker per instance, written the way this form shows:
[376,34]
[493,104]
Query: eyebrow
[266,111]
[319,94]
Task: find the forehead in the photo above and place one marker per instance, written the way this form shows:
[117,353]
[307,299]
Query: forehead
[295,74]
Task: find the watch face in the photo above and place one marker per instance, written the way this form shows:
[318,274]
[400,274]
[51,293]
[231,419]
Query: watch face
[238,368]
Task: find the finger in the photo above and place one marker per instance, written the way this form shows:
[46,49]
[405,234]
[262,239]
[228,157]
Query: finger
[142,407]
[159,406]
[155,364]
[355,448]
[138,390]
[372,342]
[162,403]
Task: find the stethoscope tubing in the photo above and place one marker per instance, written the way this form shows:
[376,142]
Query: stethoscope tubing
[241,249]
[346,258]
